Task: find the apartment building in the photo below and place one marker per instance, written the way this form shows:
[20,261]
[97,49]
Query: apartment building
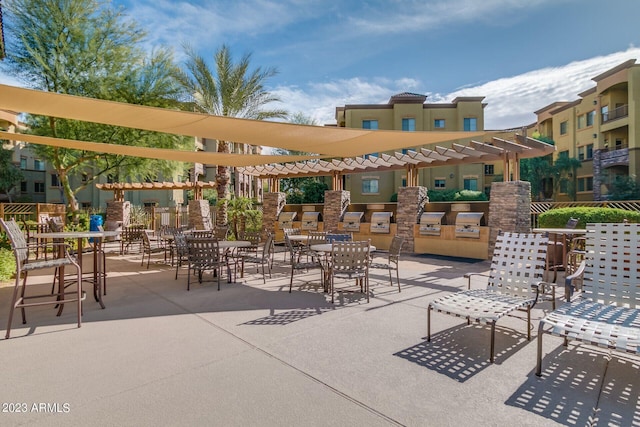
[601,129]
[410,112]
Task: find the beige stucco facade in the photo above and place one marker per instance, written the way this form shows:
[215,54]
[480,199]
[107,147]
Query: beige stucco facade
[411,112]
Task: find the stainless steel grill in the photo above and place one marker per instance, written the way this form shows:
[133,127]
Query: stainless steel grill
[310,221]
[381,222]
[430,223]
[285,219]
[468,224]
[351,221]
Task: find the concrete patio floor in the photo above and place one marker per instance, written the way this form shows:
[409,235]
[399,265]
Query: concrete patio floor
[253,354]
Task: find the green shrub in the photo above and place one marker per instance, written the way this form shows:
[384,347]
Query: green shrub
[557,218]
[456,196]
[7,264]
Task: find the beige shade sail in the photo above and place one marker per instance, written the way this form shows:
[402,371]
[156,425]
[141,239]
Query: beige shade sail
[322,140]
[205,157]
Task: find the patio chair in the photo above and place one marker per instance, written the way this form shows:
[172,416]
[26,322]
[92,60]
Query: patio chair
[295,255]
[350,260]
[24,266]
[201,234]
[393,260]
[131,235]
[607,313]
[221,232]
[339,236]
[515,276]
[149,247]
[204,255]
[558,249]
[265,258]
[180,252]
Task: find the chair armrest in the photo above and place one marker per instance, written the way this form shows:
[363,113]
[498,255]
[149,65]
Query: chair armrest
[468,276]
[569,287]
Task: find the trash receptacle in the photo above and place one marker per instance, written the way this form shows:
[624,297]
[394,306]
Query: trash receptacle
[95,222]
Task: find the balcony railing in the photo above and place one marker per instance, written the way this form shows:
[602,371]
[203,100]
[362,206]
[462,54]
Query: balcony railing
[616,113]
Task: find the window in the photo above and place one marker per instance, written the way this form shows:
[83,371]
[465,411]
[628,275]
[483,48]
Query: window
[55,181]
[86,205]
[375,155]
[585,183]
[85,178]
[23,186]
[38,164]
[111,179]
[563,154]
[618,143]
[369,124]
[409,125]
[585,152]
[405,150]
[440,183]
[591,115]
[581,121]
[471,184]
[604,111]
[438,123]
[470,124]
[563,128]
[564,185]
[369,185]
[23,162]
[488,170]
[38,187]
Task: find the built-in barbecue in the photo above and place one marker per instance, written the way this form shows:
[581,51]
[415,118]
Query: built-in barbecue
[351,221]
[285,219]
[468,224]
[381,222]
[310,221]
[430,223]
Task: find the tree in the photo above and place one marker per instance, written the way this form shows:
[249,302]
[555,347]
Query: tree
[230,89]
[564,173]
[87,48]
[10,175]
[537,171]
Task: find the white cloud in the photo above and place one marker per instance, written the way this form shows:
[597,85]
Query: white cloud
[511,101]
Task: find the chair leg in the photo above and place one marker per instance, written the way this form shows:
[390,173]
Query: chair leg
[528,323]
[13,306]
[291,281]
[493,341]
[429,323]
[539,353]
[398,277]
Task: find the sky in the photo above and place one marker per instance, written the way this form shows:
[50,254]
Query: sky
[521,55]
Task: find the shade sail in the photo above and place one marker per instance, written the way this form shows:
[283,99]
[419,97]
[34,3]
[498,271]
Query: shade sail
[326,141]
[205,157]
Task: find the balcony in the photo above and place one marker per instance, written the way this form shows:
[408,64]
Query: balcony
[616,113]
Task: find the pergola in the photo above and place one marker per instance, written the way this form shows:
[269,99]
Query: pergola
[119,188]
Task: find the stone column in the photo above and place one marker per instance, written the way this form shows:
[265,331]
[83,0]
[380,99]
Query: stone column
[509,209]
[410,200]
[272,205]
[200,215]
[335,204]
[118,212]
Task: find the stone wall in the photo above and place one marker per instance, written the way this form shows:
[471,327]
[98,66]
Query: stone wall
[509,209]
[271,208]
[335,204]
[410,200]
[118,212]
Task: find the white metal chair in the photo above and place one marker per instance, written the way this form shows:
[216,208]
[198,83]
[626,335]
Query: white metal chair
[607,313]
[24,266]
[516,273]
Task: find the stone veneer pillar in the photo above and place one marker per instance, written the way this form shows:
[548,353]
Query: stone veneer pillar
[272,205]
[200,215]
[410,200]
[335,203]
[118,211]
[509,209]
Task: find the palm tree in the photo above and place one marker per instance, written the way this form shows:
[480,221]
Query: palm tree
[232,90]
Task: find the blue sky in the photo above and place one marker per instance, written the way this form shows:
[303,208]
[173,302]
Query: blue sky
[520,54]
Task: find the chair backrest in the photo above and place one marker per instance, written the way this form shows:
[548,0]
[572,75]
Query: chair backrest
[519,261]
[395,248]
[203,252]
[180,242]
[146,239]
[251,236]
[55,224]
[268,247]
[17,239]
[572,223]
[291,231]
[201,234]
[612,264]
[317,238]
[350,256]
